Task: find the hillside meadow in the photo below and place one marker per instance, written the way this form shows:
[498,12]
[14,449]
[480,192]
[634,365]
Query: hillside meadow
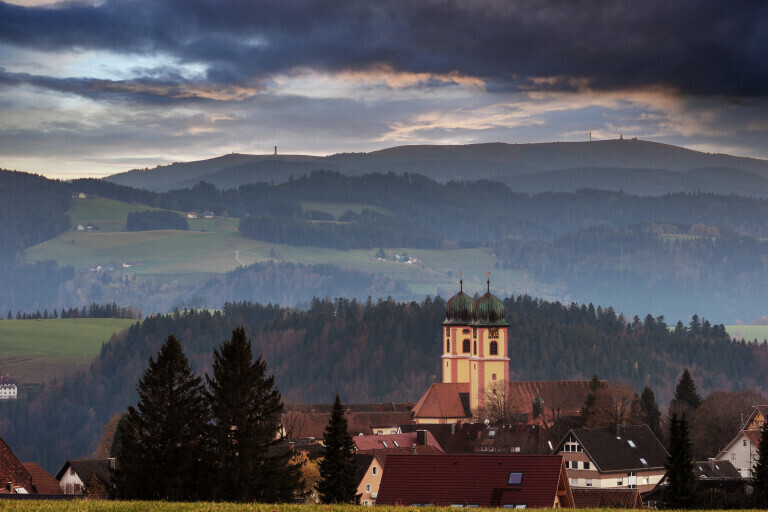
[35,351]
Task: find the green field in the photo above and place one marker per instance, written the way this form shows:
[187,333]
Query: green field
[748,332]
[162,506]
[34,351]
[104,214]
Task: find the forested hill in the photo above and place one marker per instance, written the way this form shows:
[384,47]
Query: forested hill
[378,351]
[33,209]
[498,161]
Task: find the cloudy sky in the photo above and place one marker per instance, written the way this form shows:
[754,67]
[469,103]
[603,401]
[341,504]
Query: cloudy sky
[89,88]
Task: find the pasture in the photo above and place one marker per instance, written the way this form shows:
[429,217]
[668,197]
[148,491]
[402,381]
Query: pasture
[35,351]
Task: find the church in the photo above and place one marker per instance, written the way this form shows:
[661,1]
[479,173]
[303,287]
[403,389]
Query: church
[475,360]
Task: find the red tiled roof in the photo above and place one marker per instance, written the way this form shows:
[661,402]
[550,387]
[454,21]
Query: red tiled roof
[567,396]
[453,438]
[443,400]
[753,436]
[11,468]
[584,497]
[42,481]
[312,424]
[366,443]
[480,480]
[403,450]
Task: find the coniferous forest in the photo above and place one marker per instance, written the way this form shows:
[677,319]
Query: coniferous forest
[376,351]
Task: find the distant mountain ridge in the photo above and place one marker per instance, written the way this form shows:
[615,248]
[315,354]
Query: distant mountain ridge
[497,161]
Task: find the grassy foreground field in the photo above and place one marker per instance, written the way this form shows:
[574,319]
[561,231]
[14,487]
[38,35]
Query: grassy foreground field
[141,506]
[34,351]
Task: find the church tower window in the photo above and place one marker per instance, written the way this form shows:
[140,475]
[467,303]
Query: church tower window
[465,347]
[475,347]
[494,348]
[448,346]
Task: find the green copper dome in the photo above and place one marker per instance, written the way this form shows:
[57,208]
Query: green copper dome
[460,309]
[489,310]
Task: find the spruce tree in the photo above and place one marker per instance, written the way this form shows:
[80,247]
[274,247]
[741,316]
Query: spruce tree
[163,439]
[651,412]
[681,480]
[686,391]
[760,472]
[337,467]
[251,457]
[589,403]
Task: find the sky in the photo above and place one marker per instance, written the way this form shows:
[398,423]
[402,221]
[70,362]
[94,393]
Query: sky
[95,87]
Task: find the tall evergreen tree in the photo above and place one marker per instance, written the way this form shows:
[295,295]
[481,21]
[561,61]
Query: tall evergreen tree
[589,403]
[252,458]
[337,468]
[163,439]
[681,480]
[686,390]
[651,412]
[760,473]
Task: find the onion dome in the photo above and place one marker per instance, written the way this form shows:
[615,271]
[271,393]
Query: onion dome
[460,309]
[489,309]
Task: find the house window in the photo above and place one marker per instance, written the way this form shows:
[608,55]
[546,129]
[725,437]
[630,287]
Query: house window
[367,487]
[588,482]
[586,465]
[744,442]
[646,480]
[493,376]
[365,502]
[374,469]
[619,482]
[465,347]
[733,456]
[447,345]
[379,432]
[515,478]
[494,348]
[567,465]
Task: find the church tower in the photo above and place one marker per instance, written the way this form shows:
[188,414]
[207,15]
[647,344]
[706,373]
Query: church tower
[457,336]
[489,362]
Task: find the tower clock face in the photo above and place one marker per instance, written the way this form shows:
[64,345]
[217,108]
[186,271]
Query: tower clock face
[493,333]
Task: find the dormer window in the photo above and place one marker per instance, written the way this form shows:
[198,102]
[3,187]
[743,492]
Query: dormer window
[643,461]
[631,444]
[515,478]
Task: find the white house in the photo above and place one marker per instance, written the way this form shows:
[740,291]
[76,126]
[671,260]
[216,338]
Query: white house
[741,451]
[8,388]
[75,475]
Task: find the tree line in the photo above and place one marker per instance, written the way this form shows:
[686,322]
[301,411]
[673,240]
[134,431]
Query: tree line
[148,220]
[92,311]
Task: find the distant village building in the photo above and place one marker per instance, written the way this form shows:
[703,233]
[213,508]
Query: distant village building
[83,476]
[192,215]
[8,388]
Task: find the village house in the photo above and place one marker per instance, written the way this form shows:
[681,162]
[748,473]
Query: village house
[368,477]
[23,478]
[509,481]
[741,451]
[618,456]
[83,476]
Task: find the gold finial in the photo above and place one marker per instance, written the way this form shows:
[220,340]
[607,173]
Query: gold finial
[461,281]
[489,281]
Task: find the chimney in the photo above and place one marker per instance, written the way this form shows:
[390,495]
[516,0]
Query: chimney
[712,464]
[618,431]
[421,437]
[453,429]
[413,447]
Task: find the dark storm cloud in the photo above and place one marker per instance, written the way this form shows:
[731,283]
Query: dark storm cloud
[696,47]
